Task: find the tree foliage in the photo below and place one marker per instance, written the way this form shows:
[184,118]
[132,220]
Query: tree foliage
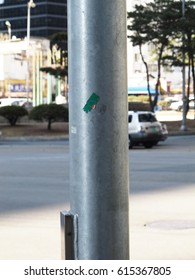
[61,37]
[59,61]
[50,113]
[13,113]
[55,70]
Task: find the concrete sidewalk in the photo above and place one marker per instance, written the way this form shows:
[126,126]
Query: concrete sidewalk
[162,225]
[36,234]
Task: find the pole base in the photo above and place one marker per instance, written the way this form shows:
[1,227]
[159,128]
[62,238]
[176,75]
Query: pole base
[183,127]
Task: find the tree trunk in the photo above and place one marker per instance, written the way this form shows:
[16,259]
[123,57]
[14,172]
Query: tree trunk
[49,124]
[158,77]
[147,77]
[193,76]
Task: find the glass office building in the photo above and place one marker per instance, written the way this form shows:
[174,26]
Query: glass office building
[47,18]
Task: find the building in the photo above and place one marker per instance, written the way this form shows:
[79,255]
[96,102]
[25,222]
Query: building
[21,75]
[47,18]
[14,66]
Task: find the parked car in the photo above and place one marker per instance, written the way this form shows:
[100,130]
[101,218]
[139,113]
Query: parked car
[144,129]
[9,101]
[178,105]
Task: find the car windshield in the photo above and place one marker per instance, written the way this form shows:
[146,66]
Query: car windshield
[147,118]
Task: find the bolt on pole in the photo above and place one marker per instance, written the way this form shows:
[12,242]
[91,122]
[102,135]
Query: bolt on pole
[99,178]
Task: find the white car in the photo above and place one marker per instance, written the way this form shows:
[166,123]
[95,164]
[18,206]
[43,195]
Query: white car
[144,129]
[12,101]
[178,105]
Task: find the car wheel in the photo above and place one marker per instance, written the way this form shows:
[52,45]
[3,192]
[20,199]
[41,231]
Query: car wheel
[148,145]
[130,143]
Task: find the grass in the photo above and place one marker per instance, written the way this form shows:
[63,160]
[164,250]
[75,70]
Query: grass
[175,126]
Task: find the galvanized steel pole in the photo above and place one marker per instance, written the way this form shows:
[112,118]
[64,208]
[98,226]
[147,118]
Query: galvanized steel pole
[99,190]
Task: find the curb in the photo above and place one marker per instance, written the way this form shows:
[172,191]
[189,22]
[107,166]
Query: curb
[35,138]
[181,133]
[66,138]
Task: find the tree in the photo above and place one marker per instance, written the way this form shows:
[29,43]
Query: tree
[59,63]
[50,113]
[183,43]
[139,21]
[152,23]
[187,31]
[59,71]
[13,113]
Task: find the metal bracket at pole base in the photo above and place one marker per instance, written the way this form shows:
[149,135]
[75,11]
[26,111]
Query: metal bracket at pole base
[69,241]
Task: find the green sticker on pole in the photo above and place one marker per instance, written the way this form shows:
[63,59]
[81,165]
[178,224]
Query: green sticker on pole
[91,102]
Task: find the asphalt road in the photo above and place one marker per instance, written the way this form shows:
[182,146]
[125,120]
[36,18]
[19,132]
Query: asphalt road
[34,187]
[168,165]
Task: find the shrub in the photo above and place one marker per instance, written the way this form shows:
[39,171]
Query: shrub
[139,98]
[139,106]
[13,113]
[50,113]
[164,104]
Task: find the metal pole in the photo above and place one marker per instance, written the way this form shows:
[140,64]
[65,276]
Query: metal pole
[49,79]
[30,5]
[41,76]
[183,126]
[27,50]
[8,24]
[99,190]
[34,81]
[49,89]
[38,77]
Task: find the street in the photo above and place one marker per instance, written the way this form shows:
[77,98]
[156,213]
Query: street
[34,185]
[168,165]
